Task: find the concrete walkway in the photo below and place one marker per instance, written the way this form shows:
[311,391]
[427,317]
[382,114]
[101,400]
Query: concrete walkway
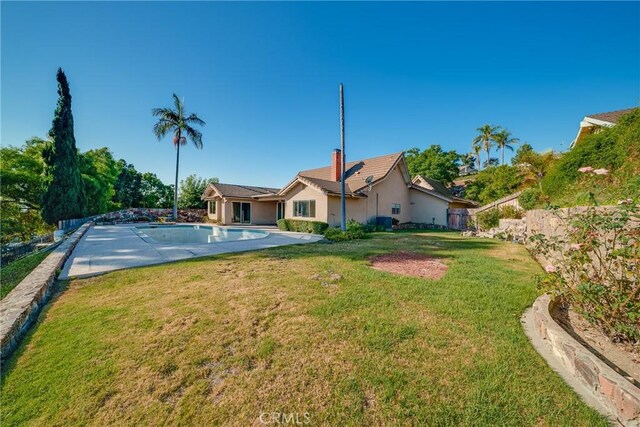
[113,247]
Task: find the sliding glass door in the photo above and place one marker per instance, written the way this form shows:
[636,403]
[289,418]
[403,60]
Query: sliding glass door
[241,213]
[280,211]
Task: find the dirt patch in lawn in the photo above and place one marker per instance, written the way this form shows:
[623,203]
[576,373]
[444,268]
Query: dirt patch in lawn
[410,264]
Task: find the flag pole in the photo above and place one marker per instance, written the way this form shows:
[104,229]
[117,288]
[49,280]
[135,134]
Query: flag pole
[343,205]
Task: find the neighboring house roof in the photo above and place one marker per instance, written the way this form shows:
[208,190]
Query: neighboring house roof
[434,184]
[593,121]
[611,117]
[357,173]
[438,187]
[240,191]
[430,192]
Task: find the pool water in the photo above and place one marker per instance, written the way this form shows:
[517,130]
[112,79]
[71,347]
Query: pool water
[196,233]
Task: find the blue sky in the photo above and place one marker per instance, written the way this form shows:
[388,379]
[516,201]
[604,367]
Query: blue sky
[264,76]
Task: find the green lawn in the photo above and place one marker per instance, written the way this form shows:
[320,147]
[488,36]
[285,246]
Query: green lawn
[13,273]
[227,338]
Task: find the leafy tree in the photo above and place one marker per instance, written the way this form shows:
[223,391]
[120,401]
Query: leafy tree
[470,160]
[127,187]
[522,155]
[491,162]
[533,165]
[99,174]
[179,123]
[433,163]
[155,193]
[191,189]
[476,149]
[63,196]
[494,183]
[503,139]
[22,171]
[484,140]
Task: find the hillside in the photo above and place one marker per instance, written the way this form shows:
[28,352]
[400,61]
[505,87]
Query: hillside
[615,149]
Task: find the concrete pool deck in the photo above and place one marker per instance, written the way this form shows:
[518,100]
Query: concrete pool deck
[106,248]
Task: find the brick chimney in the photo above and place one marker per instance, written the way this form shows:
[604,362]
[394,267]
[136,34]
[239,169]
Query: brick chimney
[336,161]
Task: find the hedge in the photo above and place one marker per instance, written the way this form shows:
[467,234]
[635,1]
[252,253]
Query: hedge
[302,226]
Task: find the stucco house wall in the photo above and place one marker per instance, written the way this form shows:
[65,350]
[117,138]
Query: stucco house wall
[426,209]
[218,215]
[262,212]
[394,189]
[304,192]
[391,190]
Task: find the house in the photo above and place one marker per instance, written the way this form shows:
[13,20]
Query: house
[243,204]
[439,187]
[464,170]
[595,122]
[376,187]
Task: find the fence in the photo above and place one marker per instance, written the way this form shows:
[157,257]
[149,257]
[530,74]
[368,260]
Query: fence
[67,225]
[510,200]
[13,251]
[457,218]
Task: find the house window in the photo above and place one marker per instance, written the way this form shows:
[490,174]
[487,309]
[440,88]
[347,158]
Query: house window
[395,208]
[304,208]
[212,207]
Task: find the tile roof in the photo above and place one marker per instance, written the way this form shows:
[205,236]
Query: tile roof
[232,190]
[440,188]
[612,116]
[436,186]
[357,173]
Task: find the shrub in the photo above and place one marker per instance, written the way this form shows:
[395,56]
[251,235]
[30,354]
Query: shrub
[283,224]
[616,149]
[594,267]
[355,230]
[494,183]
[335,235]
[302,226]
[509,211]
[529,198]
[372,228]
[488,219]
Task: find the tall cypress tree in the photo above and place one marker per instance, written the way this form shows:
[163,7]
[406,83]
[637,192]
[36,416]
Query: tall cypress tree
[63,196]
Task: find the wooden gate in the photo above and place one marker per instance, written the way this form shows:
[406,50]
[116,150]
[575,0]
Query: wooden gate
[457,218]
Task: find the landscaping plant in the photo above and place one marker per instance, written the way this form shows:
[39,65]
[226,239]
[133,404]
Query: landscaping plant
[529,198]
[488,219]
[594,268]
[509,211]
[302,226]
[355,230]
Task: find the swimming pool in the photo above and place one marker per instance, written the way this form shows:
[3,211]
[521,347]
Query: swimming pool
[195,233]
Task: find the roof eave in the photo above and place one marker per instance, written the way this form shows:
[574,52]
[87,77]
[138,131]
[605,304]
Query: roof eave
[432,193]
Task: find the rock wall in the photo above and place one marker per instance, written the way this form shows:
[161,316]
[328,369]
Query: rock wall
[619,396]
[20,308]
[150,215]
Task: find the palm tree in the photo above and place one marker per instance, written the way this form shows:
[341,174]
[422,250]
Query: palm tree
[476,147]
[504,140]
[179,124]
[485,138]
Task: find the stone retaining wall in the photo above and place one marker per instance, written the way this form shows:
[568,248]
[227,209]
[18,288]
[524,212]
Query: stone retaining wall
[150,214]
[21,306]
[618,395]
